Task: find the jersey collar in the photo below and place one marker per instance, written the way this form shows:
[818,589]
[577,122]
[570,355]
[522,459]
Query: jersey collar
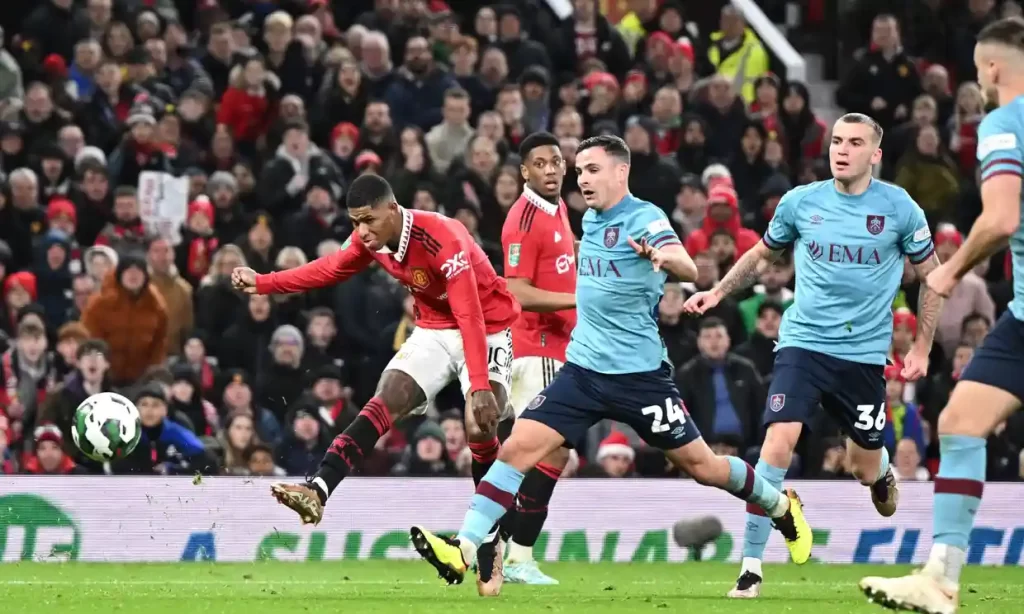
[539,201]
[403,242]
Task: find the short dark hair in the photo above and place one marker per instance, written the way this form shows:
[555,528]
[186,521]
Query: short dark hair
[860,118]
[125,190]
[456,93]
[1008,31]
[535,140]
[611,144]
[711,322]
[29,328]
[93,345]
[369,191]
[321,312]
[295,124]
[254,448]
[974,316]
[770,305]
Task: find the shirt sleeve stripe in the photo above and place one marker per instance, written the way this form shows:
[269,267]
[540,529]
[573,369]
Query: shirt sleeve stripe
[928,247]
[926,255]
[772,243]
[1010,161]
[667,239]
[1002,171]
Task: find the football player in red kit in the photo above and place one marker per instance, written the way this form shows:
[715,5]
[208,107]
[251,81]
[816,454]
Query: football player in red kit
[540,266]
[464,312]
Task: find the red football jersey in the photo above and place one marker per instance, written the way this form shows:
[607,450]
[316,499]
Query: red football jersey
[452,281]
[539,246]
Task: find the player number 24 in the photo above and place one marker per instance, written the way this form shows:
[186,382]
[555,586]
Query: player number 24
[866,421]
[671,411]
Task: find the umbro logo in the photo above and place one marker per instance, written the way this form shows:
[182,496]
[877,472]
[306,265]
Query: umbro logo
[817,219]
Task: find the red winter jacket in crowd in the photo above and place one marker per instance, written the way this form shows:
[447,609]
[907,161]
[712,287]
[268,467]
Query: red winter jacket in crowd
[248,115]
[700,239]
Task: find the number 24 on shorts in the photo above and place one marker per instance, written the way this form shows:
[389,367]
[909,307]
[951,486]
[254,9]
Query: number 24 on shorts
[866,421]
[671,411]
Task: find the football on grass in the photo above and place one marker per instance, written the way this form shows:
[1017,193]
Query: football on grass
[107,427]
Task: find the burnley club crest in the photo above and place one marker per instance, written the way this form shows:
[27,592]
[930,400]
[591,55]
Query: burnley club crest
[611,236]
[876,224]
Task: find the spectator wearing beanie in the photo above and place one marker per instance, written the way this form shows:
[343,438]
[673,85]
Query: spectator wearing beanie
[237,397]
[969,296]
[281,382]
[131,317]
[166,447]
[343,146]
[723,212]
[342,99]
[54,171]
[19,290]
[49,457]
[229,217]
[194,254]
[257,242]
[426,455]
[53,275]
[140,150]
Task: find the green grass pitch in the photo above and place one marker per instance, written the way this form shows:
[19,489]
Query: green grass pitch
[408,587]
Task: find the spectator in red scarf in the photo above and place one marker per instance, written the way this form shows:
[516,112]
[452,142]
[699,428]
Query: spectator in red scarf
[126,231]
[198,241]
[140,150]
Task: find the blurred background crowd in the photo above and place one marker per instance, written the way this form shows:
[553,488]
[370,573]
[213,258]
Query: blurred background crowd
[268,108]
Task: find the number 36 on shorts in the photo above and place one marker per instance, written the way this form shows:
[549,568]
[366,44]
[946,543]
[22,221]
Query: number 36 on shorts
[868,420]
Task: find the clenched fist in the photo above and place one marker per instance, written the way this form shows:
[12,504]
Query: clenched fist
[244,279]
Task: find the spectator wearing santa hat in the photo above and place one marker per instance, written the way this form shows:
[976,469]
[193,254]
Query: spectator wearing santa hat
[19,289]
[615,456]
[48,457]
[969,296]
[198,241]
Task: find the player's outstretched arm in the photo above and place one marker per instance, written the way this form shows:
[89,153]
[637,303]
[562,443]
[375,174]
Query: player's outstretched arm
[744,273]
[539,301]
[327,271]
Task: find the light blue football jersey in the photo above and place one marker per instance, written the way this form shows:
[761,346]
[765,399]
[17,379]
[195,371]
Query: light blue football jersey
[1001,152]
[848,255]
[617,291]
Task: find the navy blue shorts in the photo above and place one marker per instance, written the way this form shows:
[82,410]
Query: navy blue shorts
[999,360]
[853,393]
[579,398]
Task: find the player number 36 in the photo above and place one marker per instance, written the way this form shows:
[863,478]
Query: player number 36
[866,421]
[671,412]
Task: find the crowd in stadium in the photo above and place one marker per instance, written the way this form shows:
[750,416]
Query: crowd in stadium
[270,108]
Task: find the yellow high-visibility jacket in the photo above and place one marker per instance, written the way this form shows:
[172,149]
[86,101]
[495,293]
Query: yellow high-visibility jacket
[744,65]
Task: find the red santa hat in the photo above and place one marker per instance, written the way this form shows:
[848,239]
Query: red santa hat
[904,317]
[368,158]
[346,129]
[615,444]
[24,280]
[684,47]
[201,205]
[722,193]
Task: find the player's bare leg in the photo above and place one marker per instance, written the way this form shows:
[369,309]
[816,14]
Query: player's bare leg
[973,412]
[736,477]
[482,437]
[528,520]
[776,455]
[397,395]
[871,468]
[528,444]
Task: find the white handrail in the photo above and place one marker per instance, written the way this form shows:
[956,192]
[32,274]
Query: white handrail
[796,67]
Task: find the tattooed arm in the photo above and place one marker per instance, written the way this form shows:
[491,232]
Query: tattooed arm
[929,305]
[747,269]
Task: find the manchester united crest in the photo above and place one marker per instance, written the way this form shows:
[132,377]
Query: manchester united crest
[876,224]
[420,279]
[611,236]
